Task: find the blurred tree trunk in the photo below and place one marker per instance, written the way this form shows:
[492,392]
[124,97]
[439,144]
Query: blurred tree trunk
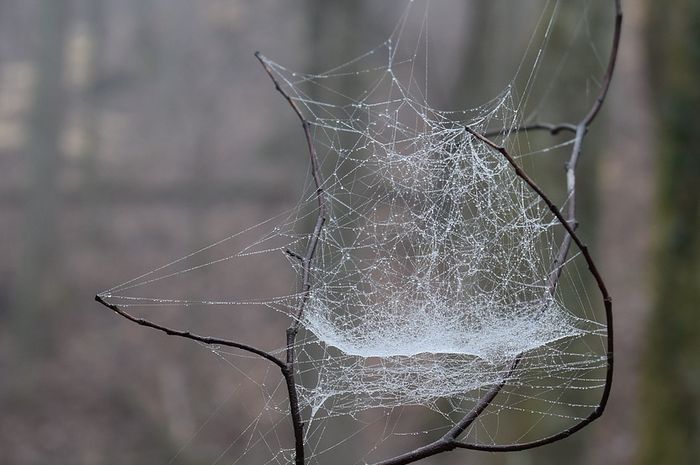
[671,408]
[626,224]
[44,156]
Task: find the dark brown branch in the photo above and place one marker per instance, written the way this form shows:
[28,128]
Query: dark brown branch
[607,302]
[306,261]
[283,366]
[293,254]
[483,403]
[553,129]
[186,334]
[449,440]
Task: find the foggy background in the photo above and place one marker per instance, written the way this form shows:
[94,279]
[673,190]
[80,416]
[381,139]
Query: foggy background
[135,131]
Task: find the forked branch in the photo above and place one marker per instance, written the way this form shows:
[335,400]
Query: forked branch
[188,335]
[287,371]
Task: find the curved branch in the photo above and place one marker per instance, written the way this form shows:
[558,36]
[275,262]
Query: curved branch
[287,373]
[449,440]
[195,337]
[607,302]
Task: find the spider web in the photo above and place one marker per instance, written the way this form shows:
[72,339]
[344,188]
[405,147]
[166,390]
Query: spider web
[432,273]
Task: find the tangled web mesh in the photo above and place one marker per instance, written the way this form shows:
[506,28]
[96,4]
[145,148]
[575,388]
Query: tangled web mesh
[433,267]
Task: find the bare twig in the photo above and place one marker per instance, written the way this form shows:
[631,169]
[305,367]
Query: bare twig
[553,129]
[188,335]
[306,261]
[449,441]
[287,373]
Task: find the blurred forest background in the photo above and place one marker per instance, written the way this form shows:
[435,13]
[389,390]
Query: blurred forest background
[133,131]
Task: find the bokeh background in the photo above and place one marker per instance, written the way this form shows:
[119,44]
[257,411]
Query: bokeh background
[134,131]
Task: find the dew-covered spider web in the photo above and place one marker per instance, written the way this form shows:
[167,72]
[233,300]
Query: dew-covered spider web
[434,271]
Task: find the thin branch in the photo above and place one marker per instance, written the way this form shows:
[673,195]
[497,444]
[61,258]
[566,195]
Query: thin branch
[607,302]
[553,129]
[283,366]
[449,440]
[570,224]
[293,254]
[186,334]
[552,207]
[306,261]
